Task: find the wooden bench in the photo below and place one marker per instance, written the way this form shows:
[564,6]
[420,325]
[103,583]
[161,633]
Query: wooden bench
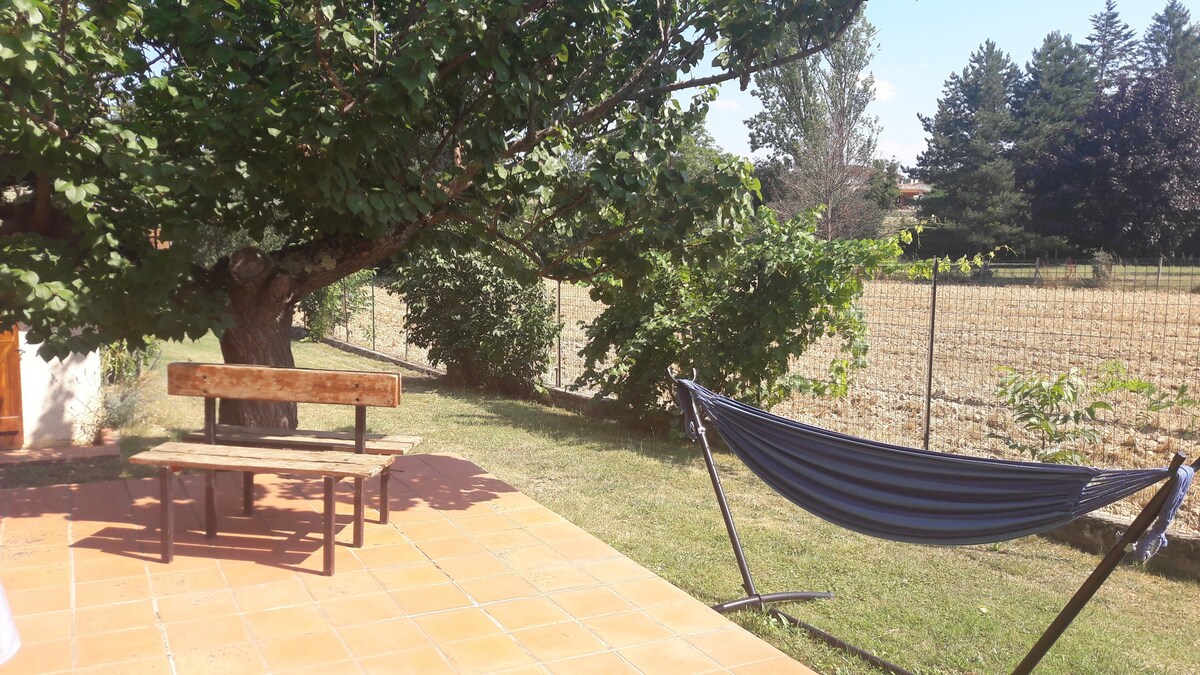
[265,451]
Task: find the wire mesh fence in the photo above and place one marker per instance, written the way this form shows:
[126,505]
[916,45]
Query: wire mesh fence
[937,347]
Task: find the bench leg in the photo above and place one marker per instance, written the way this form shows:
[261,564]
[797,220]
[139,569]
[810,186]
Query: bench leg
[210,504]
[166,501]
[384,479]
[358,512]
[247,492]
[330,517]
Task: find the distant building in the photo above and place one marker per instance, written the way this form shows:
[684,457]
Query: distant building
[911,192]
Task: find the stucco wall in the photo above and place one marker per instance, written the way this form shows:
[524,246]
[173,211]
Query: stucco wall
[60,400]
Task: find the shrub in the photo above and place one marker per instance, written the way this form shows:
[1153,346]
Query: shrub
[336,304]
[489,328]
[1050,413]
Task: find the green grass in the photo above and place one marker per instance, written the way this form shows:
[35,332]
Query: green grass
[973,609]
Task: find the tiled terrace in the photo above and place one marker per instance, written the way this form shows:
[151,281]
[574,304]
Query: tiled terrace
[470,576]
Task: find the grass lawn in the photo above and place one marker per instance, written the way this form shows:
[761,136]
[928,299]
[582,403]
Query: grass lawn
[973,609]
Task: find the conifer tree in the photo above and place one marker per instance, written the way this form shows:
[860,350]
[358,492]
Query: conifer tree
[968,159]
[1172,43]
[1112,47]
[1058,86]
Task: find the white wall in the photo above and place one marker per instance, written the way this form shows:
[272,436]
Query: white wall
[60,400]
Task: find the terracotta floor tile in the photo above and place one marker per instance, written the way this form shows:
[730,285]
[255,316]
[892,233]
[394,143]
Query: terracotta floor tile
[425,530]
[40,658]
[486,523]
[108,618]
[303,651]
[361,609]
[47,627]
[734,647]
[187,581]
[526,613]
[221,659]
[472,566]
[430,599]
[155,665]
[393,554]
[422,661]
[125,589]
[551,579]
[342,585]
[628,629]
[458,624]
[617,570]
[340,668]
[248,573]
[584,550]
[688,617]
[262,597]
[532,558]
[114,647]
[673,656]
[383,637]
[585,602]
[531,517]
[111,567]
[450,547]
[561,531]
[514,501]
[559,641]
[208,604]
[39,600]
[501,587]
[486,654]
[650,592]
[183,636]
[506,540]
[605,663]
[780,666]
[410,576]
[23,578]
[286,622]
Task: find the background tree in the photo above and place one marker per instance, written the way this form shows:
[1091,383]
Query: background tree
[815,123]
[1112,46]
[969,160]
[344,129]
[1058,86]
[1128,179]
[1172,43]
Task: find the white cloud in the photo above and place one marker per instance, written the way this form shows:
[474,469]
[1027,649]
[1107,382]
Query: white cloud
[725,104]
[884,90]
[905,153]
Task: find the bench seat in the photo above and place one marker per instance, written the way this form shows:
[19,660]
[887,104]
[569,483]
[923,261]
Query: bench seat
[302,439]
[173,456]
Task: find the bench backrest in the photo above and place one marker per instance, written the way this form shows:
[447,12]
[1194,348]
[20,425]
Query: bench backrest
[300,385]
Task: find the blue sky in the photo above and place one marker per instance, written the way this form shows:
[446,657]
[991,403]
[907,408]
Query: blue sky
[922,41]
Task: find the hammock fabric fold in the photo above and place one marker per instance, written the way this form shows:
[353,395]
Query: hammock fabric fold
[910,495]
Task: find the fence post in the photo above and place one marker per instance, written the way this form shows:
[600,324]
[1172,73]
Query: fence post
[373,316]
[404,333]
[558,311]
[929,368]
[1158,281]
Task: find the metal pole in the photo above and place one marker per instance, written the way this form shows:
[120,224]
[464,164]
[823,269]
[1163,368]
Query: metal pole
[345,309]
[929,368]
[373,316]
[558,308]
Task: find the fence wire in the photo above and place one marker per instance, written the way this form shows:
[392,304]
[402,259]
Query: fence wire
[1037,317]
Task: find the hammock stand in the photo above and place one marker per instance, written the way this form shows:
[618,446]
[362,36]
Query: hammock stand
[694,429]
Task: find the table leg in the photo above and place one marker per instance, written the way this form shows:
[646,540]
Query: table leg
[210,504]
[330,517]
[384,509]
[247,493]
[166,501]
[358,512]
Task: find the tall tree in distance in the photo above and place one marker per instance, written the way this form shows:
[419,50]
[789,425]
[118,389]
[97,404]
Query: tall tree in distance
[1112,46]
[1058,86]
[1172,43]
[1128,180]
[968,159]
[815,124]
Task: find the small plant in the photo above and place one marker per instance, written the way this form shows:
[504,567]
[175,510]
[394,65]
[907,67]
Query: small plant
[1102,267]
[1049,410]
[1156,399]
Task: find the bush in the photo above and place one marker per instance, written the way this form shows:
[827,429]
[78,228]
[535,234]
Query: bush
[488,328]
[1051,414]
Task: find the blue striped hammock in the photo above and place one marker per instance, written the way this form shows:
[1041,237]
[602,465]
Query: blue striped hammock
[904,494]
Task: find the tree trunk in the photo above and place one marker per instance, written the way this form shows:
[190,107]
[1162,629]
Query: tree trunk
[261,302]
